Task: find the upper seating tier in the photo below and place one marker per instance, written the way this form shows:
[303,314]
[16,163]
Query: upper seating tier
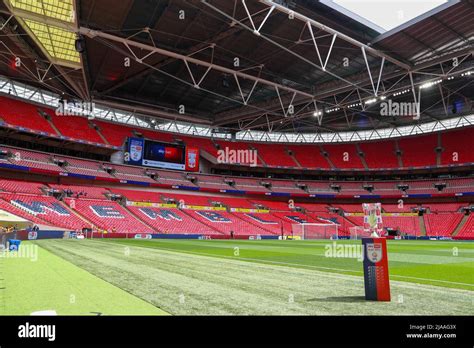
[76,127]
[19,113]
[419,151]
[416,151]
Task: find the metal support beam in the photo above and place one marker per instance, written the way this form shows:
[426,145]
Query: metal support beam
[43,69]
[331,89]
[417,99]
[150,111]
[227,32]
[129,43]
[308,61]
[331,31]
[85,75]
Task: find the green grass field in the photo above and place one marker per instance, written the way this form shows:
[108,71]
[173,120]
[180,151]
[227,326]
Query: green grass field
[52,283]
[188,277]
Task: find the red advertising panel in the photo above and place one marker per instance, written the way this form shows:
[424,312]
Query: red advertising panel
[192,159]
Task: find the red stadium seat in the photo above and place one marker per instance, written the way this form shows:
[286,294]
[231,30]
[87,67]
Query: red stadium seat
[274,155]
[32,159]
[455,146]
[138,195]
[406,224]
[84,167]
[82,191]
[344,156]
[21,186]
[442,224]
[380,154]
[419,151]
[47,209]
[225,222]
[309,156]
[21,113]
[467,230]
[109,216]
[76,127]
[172,221]
[377,154]
[115,134]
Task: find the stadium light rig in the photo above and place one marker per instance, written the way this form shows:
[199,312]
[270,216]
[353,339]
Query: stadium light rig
[328,111]
[401,92]
[405,91]
[354,105]
[430,84]
[371,101]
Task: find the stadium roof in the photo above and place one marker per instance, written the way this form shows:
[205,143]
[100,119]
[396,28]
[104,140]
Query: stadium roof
[268,66]
[57,42]
[384,15]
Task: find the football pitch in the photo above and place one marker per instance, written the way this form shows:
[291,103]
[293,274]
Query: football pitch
[233,277]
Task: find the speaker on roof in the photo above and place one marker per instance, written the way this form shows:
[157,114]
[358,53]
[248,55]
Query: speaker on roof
[454,108]
[80,45]
[225,81]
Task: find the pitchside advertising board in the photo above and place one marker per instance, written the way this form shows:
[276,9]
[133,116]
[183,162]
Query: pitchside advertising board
[149,153]
[377,285]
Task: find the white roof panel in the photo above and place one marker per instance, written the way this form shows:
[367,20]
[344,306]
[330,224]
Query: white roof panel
[384,15]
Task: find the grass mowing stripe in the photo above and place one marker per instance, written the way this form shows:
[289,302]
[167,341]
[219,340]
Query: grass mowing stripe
[232,286]
[52,283]
[247,259]
[454,276]
[400,277]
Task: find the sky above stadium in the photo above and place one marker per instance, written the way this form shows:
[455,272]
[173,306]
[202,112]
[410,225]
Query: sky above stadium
[385,14]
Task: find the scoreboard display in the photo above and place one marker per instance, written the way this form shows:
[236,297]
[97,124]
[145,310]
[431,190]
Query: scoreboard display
[150,153]
[163,155]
